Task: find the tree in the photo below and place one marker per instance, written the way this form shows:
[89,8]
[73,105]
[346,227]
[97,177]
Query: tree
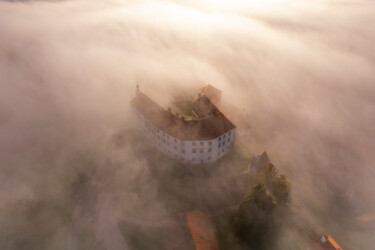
[254,219]
[280,188]
[278,185]
[270,172]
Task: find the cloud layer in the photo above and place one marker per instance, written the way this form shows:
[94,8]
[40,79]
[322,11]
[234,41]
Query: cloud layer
[303,70]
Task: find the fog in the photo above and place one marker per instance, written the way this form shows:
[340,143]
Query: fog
[303,71]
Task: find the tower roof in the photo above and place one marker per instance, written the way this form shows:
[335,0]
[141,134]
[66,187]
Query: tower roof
[211,92]
[259,162]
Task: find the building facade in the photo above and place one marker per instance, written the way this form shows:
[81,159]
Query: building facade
[195,151]
[202,140]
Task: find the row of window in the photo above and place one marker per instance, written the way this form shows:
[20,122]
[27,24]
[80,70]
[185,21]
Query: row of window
[165,140]
[162,139]
[193,150]
[230,132]
[222,144]
[194,160]
[202,143]
[201,150]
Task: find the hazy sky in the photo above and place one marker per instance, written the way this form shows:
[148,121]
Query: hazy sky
[303,69]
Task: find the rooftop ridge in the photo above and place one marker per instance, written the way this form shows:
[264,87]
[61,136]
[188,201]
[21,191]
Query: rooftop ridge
[200,129]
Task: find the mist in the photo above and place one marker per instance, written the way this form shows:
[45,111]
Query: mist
[302,70]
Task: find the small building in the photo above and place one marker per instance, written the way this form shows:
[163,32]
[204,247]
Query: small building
[259,163]
[202,140]
[325,242]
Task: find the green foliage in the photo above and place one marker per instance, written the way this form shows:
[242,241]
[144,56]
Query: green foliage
[278,185]
[259,213]
[254,220]
[184,108]
[259,197]
[270,172]
[225,234]
[280,188]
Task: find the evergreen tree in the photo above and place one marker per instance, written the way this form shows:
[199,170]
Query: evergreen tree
[270,172]
[277,184]
[280,189]
[254,219]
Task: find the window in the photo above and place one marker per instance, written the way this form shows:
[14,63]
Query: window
[225,136]
[209,150]
[193,159]
[220,138]
[210,143]
[183,143]
[219,145]
[202,143]
[193,151]
[175,140]
[209,158]
[175,147]
[202,151]
[223,142]
[182,150]
[194,143]
[229,140]
[230,132]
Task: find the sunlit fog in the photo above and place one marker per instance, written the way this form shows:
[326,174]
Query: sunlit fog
[77,172]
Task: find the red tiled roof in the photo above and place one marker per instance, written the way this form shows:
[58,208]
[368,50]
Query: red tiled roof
[211,92]
[202,129]
[202,231]
[328,244]
[176,234]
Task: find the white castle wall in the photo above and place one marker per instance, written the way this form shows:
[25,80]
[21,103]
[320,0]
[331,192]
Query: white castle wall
[194,152]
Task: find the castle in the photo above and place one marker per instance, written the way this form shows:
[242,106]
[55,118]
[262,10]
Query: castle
[204,139]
